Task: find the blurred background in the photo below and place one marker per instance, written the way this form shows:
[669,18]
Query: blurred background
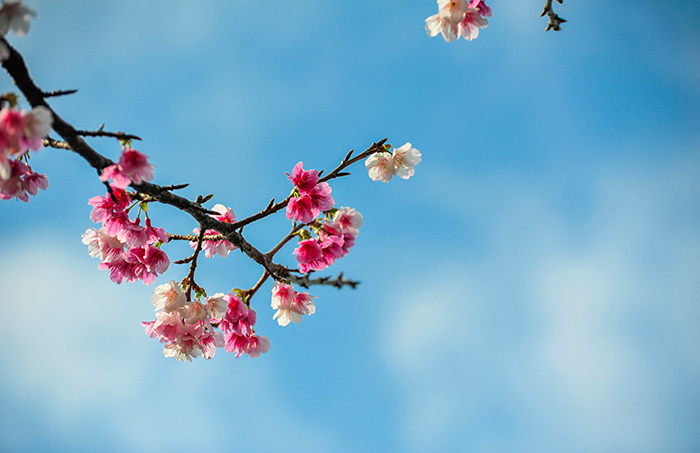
[534,287]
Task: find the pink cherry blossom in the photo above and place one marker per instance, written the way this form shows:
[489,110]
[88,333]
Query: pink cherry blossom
[290,305]
[133,167]
[15,185]
[103,246]
[458,18]
[303,180]
[211,340]
[35,181]
[310,197]
[348,220]
[253,345]
[473,21]
[310,255]
[301,209]
[257,345]
[381,166]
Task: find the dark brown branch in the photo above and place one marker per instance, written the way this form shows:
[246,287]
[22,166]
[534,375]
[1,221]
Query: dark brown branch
[101,133]
[306,281]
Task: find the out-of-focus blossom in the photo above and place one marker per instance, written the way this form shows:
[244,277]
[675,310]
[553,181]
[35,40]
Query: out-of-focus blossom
[15,16]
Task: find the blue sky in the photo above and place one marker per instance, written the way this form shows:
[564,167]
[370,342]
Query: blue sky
[534,287]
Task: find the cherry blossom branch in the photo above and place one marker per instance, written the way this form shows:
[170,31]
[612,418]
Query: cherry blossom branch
[102,133]
[190,276]
[554,20]
[306,281]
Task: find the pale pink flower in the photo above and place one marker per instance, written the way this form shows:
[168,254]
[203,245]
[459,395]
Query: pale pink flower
[169,297]
[194,312]
[102,246]
[216,306]
[435,25]
[37,125]
[35,181]
[187,344]
[257,345]
[473,21]
[15,16]
[405,158]
[168,325]
[348,220]
[381,166]
[211,340]
[226,215]
[452,10]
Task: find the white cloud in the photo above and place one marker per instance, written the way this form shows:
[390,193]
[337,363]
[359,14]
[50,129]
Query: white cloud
[584,342]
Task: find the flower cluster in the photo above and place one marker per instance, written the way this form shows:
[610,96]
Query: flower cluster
[186,328]
[458,18]
[237,326]
[333,240]
[221,247]
[382,166]
[21,132]
[290,305]
[309,197]
[129,251]
[133,167]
